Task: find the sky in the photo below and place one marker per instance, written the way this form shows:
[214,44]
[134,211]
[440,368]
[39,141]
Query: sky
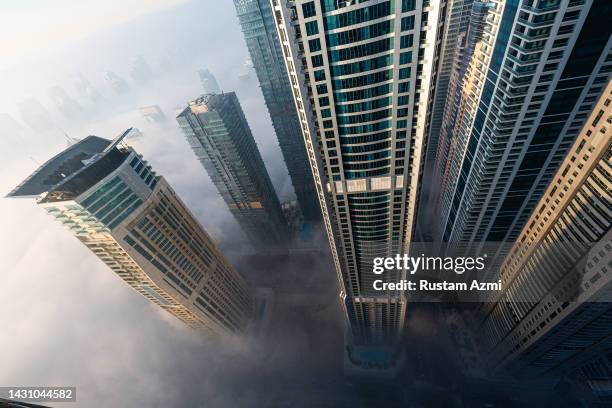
[37,27]
[187,36]
[67,319]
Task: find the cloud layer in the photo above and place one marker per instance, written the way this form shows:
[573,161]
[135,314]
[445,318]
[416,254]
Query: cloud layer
[68,319]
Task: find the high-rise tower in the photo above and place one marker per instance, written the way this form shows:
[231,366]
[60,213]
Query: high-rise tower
[264,47]
[554,313]
[536,69]
[117,83]
[65,104]
[361,78]
[115,204]
[36,116]
[209,82]
[140,71]
[85,89]
[449,43]
[462,30]
[11,126]
[219,135]
[457,17]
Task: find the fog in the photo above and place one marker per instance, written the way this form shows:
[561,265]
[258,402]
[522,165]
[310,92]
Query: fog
[67,319]
[175,43]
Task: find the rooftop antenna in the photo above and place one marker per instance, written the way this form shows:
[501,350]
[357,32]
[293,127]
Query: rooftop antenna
[70,140]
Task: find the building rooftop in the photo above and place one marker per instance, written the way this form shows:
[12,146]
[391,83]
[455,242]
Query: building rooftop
[203,103]
[59,167]
[75,169]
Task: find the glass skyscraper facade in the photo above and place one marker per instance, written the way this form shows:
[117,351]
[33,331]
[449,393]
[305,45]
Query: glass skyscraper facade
[533,78]
[219,135]
[361,74]
[264,47]
[110,198]
[554,315]
[208,81]
[458,14]
[464,22]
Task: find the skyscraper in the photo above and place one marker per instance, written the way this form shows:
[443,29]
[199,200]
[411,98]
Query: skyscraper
[117,83]
[596,375]
[462,31]
[209,82]
[555,311]
[534,74]
[65,104]
[140,71]
[219,135]
[361,77]
[11,127]
[264,47]
[153,114]
[457,17]
[35,115]
[85,89]
[115,204]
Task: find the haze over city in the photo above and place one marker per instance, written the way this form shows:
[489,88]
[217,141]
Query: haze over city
[63,305]
[271,203]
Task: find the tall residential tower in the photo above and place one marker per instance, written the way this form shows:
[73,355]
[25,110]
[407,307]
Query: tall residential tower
[554,313]
[264,47]
[108,196]
[208,81]
[219,135]
[536,70]
[361,77]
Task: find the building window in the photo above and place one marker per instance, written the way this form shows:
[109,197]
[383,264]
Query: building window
[408,5]
[407,23]
[314,45]
[405,57]
[312,28]
[403,87]
[406,41]
[309,9]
